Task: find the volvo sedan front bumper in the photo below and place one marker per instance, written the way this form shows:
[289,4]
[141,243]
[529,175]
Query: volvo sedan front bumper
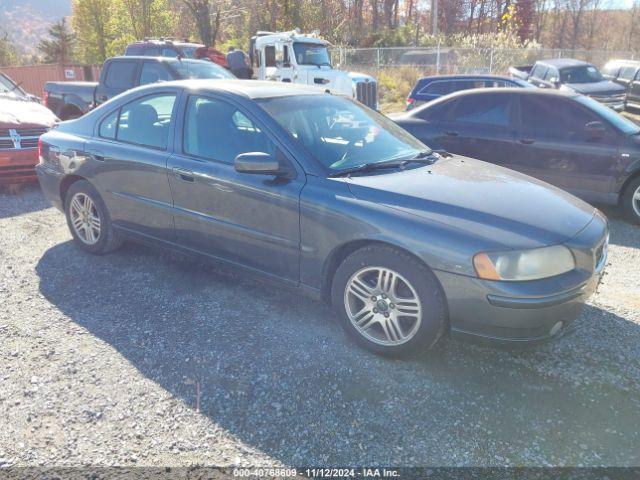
[531,311]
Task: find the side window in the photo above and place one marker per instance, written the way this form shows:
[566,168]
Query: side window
[462,85]
[491,109]
[217,130]
[627,73]
[554,118]
[285,56]
[147,121]
[109,125]
[270,56]
[153,72]
[437,88]
[539,71]
[551,75]
[120,74]
[169,52]
[133,50]
[434,113]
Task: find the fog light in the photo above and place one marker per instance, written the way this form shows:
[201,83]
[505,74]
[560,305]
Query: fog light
[555,329]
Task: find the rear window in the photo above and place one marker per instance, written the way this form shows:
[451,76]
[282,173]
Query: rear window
[120,74]
[437,88]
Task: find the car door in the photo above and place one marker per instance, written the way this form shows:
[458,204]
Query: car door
[248,219]
[555,145]
[120,76]
[479,125]
[537,74]
[130,148]
[633,93]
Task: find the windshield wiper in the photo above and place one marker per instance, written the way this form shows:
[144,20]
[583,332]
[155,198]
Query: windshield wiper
[422,157]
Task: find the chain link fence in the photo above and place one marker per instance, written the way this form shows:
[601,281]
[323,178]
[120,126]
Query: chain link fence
[455,60]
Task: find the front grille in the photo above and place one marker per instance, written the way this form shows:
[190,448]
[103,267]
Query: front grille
[608,98]
[367,93]
[20,138]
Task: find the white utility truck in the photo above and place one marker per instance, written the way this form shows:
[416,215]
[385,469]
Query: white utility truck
[297,58]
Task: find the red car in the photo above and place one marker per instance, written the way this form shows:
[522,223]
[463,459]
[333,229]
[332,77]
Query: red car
[22,121]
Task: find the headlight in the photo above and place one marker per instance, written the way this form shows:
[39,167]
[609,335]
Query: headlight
[524,264]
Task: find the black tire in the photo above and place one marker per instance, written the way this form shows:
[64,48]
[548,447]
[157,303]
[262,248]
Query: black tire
[627,201]
[433,303]
[108,239]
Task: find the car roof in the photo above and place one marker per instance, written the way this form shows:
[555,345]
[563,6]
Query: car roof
[466,76]
[246,88]
[161,59]
[621,62]
[563,62]
[511,90]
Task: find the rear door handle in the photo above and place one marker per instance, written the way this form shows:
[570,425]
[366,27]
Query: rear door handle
[97,155]
[526,141]
[184,174]
[451,134]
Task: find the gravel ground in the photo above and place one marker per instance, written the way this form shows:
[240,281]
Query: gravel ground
[100,359]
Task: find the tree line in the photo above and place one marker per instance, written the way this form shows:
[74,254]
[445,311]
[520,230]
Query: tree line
[98,29]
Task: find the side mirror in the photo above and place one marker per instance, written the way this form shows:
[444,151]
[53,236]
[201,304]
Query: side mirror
[257,163]
[595,130]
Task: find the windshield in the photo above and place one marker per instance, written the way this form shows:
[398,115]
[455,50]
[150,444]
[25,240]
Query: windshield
[200,69]
[311,54]
[618,121]
[7,86]
[585,74]
[339,132]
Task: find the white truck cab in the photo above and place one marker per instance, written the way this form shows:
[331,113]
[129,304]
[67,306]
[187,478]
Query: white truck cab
[296,58]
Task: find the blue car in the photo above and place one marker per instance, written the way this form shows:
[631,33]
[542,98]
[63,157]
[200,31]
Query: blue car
[323,194]
[430,88]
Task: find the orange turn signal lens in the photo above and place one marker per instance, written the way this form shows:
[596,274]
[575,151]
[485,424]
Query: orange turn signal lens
[484,267]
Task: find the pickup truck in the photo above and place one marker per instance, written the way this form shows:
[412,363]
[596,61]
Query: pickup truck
[575,76]
[70,100]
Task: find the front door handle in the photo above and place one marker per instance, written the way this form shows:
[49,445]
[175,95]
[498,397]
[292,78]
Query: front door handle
[451,134]
[184,174]
[526,141]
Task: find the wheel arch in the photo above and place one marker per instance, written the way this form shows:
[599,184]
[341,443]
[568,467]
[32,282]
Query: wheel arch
[339,253]
[632,177]
[66,183]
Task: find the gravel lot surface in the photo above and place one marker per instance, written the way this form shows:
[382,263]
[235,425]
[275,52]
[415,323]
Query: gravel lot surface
[100,356]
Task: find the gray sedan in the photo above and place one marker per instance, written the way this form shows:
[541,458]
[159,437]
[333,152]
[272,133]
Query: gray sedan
[322,194]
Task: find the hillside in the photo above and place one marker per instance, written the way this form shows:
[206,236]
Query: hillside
[26,21]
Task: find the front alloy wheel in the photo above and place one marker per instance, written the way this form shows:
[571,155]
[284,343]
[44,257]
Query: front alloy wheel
[389,301]
[630,201]
[383,306]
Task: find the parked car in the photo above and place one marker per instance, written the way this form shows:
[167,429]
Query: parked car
[22,121]
[9,88]
[565,139]
[69,100]
[627,74]
[171,48]
[574,76]
[316,191]
[430,88]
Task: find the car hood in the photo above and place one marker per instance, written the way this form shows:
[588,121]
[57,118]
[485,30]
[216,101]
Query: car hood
[479,199]
[605,87]
[21,113]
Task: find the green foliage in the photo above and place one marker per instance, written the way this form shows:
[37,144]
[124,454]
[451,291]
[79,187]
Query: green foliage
[8,54]
[59,47]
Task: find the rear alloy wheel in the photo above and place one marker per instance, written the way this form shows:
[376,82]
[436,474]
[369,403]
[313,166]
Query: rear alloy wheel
[89,220]
[631,201]
[85,218]
[388,301]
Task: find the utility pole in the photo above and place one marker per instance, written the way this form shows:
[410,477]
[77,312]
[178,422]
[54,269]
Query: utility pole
[434,17]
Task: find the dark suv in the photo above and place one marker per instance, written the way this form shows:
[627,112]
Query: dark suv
[430,88]
[627,74]
[171,48]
